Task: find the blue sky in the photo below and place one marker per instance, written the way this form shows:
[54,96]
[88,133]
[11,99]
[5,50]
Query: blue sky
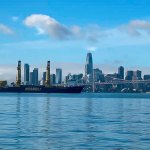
[116,31]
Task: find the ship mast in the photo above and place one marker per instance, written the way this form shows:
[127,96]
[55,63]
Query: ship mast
[18,78]
[47,82]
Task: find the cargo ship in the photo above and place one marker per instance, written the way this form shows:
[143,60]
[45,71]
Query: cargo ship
[46,88]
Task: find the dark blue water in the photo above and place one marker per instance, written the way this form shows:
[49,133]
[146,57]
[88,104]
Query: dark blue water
[73,122]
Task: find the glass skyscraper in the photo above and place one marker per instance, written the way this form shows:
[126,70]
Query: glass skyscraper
[26,74]
[53,78]
[35,76]
[121,72]
[58,76]
[44,77]
[89,68]
[31,78]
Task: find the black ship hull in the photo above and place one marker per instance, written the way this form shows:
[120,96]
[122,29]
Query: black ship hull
[41,89]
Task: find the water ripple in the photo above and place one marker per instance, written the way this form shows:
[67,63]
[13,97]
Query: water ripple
[72,122]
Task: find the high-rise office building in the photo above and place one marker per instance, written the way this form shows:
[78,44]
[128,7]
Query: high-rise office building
[121,72]
[58,76]
[26,74]
[44,78]
[137,75]
[31,78]
[89,67]
[134,75]
[147,77]
[129,75]
[53,78]
[35,76]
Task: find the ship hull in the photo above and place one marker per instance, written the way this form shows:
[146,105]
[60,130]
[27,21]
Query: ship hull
[41,89]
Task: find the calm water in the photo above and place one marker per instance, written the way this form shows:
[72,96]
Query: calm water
[73,122]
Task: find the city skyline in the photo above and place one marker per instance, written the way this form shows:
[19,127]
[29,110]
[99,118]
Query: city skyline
[46,30]
[93,80]
[33,76]
[26,67]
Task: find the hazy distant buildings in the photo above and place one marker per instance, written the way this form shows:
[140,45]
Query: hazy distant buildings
[138,75]
[121,72]
[89,68]
[111,77]
[98,75]
[58,76]
[129,75]
[75,78]
[68,78]
[26,74]
[147,77]
[134,75]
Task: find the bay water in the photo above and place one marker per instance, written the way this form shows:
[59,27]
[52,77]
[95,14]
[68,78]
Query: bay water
[75,121]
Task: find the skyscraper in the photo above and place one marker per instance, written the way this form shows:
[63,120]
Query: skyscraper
[121,72]
[44,78]
[89,67]
[137,75]
[26,74]
[53,78]
[31,78]
[134,75]
[35,76]
[58,76]
[129,75]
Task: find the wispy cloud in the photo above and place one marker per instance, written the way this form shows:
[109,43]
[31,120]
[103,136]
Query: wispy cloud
[92,48]
[92,33]
[5,29]
[136,27]
[15,18]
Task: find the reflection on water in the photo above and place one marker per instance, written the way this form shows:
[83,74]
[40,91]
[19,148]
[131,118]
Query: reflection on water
[47,121]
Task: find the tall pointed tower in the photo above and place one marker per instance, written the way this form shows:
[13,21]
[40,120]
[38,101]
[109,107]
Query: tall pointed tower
[47,82]
[18,79]
[89,67]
